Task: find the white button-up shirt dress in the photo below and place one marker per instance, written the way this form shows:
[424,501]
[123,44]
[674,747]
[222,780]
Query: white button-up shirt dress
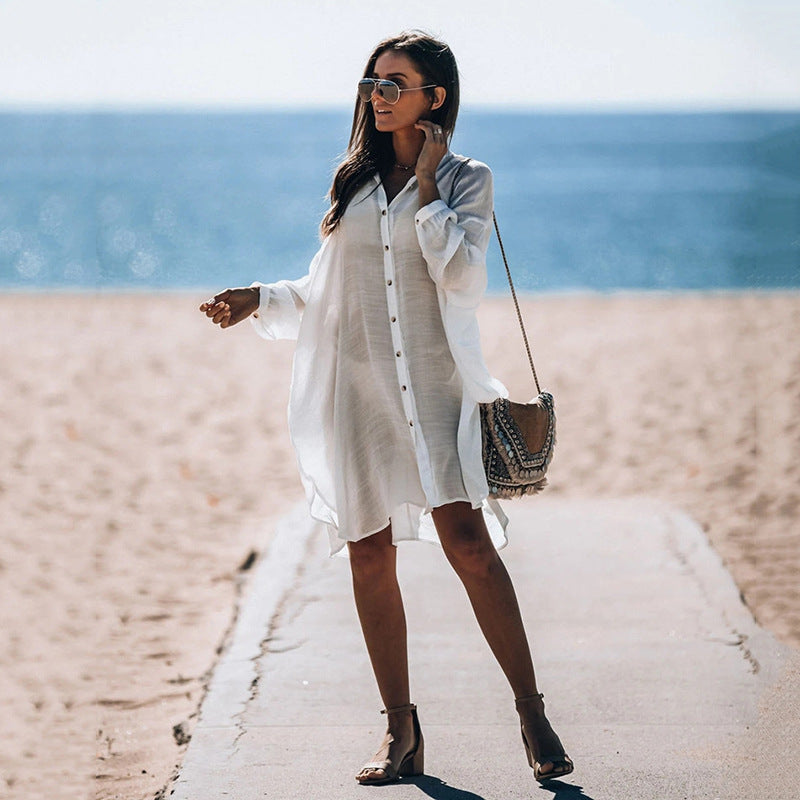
[388,370]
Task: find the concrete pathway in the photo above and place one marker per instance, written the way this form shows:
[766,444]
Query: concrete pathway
[651,666]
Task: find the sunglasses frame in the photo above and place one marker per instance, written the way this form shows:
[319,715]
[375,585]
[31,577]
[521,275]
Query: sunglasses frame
[376,87]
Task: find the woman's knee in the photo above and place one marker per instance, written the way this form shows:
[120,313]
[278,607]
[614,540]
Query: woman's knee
[470,553]
[466,542]
[373,557]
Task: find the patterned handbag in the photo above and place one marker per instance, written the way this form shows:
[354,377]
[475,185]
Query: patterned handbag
[518,438]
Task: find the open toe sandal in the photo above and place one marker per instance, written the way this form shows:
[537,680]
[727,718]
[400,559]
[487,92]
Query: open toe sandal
[412,762]
[561,763]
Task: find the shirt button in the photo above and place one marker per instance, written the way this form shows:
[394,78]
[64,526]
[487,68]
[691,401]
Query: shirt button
[411,423]
[403,388]
[394,319]
[386,247]
[383,213]
[398,354]
[389,282]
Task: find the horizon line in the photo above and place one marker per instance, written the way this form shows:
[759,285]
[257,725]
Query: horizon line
[704,107]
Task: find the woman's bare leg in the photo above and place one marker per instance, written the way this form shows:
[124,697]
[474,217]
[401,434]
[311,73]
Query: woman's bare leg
[469,549]
[373,563]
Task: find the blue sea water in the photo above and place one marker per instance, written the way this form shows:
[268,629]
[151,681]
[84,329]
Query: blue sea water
[598,201]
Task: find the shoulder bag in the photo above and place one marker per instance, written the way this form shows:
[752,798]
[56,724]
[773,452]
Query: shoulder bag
[517,438]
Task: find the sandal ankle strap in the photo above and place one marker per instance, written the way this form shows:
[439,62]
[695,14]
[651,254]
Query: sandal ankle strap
[538,696]
[398,709]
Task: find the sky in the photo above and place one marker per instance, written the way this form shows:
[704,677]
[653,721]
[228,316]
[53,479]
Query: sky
[561,54]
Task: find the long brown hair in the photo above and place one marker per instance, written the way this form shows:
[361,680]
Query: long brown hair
[370,150]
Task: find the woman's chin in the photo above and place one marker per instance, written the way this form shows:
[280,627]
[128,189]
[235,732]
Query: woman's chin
[383,121]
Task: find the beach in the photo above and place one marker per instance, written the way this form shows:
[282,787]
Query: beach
[146,458]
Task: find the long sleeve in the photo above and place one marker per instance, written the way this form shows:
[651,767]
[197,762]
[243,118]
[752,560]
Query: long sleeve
[281,304]
[454,238]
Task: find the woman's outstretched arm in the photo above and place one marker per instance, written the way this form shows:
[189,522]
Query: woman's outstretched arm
[275,309]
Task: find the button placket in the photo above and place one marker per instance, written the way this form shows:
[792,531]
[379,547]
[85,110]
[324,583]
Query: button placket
[390,280]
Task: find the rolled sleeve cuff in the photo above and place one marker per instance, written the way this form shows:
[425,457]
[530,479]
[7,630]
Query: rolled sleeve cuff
[430,210]
[259,318]
[439,237]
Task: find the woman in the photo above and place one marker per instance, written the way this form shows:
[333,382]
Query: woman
[387,379]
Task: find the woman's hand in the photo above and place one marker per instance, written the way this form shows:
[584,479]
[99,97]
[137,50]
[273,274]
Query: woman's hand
[231,306]
[433,149]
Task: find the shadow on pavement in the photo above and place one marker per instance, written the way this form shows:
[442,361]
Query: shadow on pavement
[439,790]
[565,791]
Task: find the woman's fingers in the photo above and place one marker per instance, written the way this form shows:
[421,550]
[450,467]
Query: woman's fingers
[432,130]
[433,149]
[214,301]
[212,308]
[223,311]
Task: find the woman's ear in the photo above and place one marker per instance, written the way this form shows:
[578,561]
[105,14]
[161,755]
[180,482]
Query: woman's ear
[439,93]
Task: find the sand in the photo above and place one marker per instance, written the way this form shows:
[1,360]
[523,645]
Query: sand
[145,456]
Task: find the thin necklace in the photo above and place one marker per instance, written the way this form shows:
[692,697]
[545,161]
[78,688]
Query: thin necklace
[405,167]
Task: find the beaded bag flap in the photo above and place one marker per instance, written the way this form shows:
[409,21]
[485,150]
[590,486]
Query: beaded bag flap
[518,441]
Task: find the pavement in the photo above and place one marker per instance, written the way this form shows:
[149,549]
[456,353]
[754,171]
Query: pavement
[652,667]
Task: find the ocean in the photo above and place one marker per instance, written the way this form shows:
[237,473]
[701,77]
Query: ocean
[585,201]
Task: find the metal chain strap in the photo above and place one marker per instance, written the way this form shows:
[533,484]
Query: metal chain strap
[516,304]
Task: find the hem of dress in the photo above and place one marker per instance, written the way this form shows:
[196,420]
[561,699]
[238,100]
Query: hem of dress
[337,543]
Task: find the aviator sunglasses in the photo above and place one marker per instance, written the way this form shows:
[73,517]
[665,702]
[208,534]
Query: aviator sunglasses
[388,90]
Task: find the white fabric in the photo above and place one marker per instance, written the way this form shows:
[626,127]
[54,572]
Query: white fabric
[388,369]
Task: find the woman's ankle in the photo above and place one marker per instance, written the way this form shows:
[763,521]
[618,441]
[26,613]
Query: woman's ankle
[530,704]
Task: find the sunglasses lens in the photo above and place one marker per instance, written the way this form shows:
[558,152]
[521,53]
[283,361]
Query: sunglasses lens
[389,91]
[365,90]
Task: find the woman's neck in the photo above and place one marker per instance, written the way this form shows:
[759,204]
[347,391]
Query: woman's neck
[407,145]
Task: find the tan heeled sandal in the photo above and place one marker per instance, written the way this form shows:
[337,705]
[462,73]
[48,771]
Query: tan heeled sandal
[411,764]
[562,763]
